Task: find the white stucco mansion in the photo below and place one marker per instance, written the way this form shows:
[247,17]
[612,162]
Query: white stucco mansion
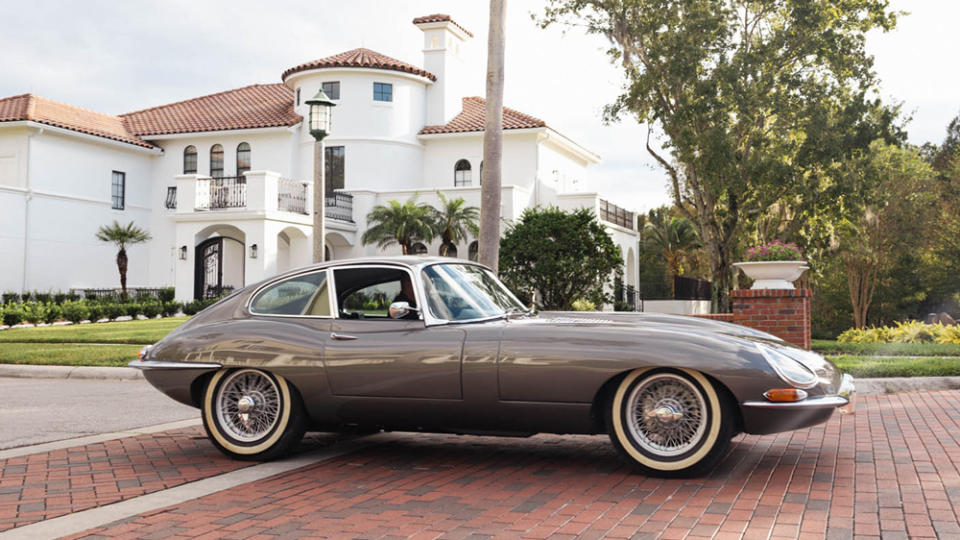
[223,182]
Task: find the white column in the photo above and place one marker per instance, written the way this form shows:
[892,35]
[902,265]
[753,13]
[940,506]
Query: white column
[263,233]
[184,269]
[186,193]
[262,190]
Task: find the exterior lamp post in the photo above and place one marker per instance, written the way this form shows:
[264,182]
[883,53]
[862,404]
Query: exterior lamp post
[321,112]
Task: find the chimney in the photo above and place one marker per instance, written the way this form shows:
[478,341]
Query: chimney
[442,41]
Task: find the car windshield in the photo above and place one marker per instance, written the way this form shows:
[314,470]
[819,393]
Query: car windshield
[464,292]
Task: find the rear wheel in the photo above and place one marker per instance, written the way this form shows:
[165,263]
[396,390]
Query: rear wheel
[251,414]
[670,422]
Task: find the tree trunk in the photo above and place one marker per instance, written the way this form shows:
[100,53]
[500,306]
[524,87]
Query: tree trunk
[861,283]
[719,259]
[122,267]
[446,241]
[489,241]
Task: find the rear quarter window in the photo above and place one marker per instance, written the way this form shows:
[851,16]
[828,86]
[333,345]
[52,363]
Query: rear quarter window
[305,295]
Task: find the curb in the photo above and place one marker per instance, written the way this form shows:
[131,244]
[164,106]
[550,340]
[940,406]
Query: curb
[69,372]
[894,385]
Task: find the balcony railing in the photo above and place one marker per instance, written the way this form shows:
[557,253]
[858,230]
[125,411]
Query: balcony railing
[228,192]
[292,196]
[612,213]
[171,201]
[339,206]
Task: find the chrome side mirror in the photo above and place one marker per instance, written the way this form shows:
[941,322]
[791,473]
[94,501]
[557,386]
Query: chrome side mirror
[399,310]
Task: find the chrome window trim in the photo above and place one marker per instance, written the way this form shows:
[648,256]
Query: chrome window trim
[258,290]
[417,286]
[464,262]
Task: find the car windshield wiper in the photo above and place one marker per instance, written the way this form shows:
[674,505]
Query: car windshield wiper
[512,312]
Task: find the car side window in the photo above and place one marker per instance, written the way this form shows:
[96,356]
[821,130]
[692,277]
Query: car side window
[366,293]
[306,295]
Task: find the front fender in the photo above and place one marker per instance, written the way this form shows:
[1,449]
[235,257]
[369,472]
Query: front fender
[570,362]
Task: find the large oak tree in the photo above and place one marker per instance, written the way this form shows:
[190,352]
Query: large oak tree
[756,100]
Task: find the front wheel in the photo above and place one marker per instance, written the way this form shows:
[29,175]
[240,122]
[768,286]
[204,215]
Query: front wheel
[670,422]
[251,414]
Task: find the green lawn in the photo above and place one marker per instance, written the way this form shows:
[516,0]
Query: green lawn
[59,354]
[830,347]
[898,366]
[136,332]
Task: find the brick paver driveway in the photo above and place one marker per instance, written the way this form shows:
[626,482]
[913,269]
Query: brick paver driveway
[892,469]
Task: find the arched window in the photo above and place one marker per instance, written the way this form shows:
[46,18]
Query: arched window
[418,249]
[461,173]
[473,252]
[216,161]
[451,251]
[243,158]
[190,160]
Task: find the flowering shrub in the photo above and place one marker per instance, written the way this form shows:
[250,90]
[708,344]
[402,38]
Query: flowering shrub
[904,332]
[774,251]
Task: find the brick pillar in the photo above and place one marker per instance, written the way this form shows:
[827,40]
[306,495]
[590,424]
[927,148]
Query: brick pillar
[784,313]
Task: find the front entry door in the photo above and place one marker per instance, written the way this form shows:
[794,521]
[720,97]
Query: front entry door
[219,267]
[371,355]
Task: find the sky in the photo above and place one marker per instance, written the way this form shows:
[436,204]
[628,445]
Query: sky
[116,57]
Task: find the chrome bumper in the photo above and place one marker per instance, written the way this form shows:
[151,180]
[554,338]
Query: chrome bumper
[152,364]
[844,400]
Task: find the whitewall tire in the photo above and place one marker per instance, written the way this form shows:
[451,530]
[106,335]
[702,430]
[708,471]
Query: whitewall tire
[251,414]
[670,422]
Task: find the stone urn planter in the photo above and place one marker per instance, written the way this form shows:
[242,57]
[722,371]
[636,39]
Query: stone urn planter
[773,274]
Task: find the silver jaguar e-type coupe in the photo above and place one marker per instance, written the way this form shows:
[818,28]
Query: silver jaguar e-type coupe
[439,344]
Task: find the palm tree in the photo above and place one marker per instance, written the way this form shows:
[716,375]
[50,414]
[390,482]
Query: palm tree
[454,220]
[121,236]
[489,240]
[673,237]
[403,224]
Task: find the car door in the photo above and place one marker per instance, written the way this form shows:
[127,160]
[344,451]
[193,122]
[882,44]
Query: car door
[371,355]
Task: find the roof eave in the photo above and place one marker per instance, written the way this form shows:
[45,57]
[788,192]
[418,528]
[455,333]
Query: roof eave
[100,139]
[479,132]
[290,77]
[219,132]
[451,26]
[567,144]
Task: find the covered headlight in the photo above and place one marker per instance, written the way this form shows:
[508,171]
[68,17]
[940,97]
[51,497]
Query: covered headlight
[789,369]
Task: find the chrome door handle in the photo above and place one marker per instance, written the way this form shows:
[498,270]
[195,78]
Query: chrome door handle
[342,337]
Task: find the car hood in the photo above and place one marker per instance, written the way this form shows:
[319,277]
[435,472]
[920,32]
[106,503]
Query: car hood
[658,321]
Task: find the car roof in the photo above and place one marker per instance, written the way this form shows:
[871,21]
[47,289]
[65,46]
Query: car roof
[409,261]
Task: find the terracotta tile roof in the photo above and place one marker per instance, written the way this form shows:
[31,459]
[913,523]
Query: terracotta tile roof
[471,118]
[440,17]
[254,106]
[28,107]
[360,58]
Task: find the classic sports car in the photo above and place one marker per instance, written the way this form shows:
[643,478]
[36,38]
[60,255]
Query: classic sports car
[439,344]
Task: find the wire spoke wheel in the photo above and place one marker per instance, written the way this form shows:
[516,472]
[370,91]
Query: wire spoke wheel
[666,415]
[248,405]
